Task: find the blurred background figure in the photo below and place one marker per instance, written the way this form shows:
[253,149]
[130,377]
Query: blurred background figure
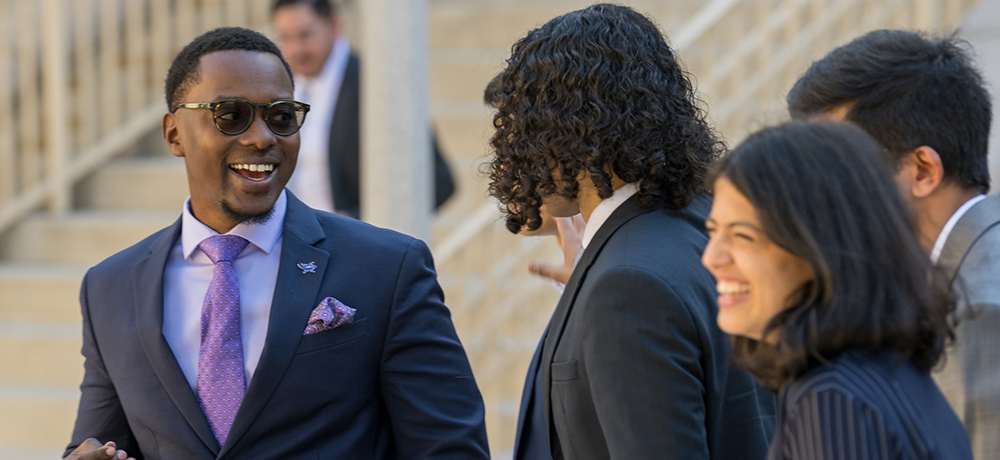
[327,76]
[923,100]
[827,295]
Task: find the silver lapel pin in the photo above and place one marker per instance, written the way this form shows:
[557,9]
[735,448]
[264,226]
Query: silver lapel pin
[307,267]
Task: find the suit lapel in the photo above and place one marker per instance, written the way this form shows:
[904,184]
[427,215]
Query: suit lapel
[148,273]
[295,295]
[969,228]
[628,210]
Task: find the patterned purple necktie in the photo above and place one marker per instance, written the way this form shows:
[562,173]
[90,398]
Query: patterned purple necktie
[221,377]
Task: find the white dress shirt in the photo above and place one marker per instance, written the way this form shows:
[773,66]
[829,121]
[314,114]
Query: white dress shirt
[597,218]
[950,225]
[189,272]
[311,180]
[604,210]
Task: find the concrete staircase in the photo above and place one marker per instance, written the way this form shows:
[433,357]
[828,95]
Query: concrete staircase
[42,261]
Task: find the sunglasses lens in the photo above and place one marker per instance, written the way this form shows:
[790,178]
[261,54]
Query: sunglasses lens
[233,117]
[284,118]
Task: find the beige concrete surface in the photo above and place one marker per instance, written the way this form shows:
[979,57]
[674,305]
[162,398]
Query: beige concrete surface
[982,29]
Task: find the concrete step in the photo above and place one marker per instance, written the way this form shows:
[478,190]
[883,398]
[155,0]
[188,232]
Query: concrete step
[497,25]
[81,238]
[156,183]
[465,135]
[40,354]
[37,420]
[40,294]
[462,75]
[476,30]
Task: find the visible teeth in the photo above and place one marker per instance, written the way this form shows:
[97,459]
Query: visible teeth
[254,167]
[732,288]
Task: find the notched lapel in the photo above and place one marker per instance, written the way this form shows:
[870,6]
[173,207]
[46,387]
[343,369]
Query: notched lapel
[295,295]
[148,275]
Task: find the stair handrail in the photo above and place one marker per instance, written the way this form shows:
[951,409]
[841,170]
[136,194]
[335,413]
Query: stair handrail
[81,82]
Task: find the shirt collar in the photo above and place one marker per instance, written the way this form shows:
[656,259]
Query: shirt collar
[263,235]
[604,209]
[950,225]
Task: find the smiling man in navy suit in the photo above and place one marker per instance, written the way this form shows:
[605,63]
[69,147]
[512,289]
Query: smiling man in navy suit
[254,326]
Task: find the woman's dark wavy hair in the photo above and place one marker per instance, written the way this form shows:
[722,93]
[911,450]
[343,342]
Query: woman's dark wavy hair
[596,90]
[824,193]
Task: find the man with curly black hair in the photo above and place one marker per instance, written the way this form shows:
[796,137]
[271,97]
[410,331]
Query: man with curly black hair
[596,116]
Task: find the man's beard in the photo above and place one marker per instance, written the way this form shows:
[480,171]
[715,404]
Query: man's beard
[244,218]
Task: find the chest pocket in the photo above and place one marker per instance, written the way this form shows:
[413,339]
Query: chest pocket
[565,372]
[333,337]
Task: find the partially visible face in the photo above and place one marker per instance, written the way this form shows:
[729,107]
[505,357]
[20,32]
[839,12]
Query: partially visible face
[305,38]
[223,191]
[556,204]
[755,277]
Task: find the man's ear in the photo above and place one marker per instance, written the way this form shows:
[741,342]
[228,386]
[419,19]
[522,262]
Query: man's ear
[171,135]
[924,166]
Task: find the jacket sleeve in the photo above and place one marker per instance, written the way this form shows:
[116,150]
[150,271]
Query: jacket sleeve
[100,414]
[435,408]
[642,355]
[970,378]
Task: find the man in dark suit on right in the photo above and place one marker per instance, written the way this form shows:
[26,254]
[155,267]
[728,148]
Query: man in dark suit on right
[595,116]
[328,77]
[924,101]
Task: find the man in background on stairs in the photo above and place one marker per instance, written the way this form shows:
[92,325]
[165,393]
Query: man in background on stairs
[595,116]
[255,326]
[923,99]
[327,77]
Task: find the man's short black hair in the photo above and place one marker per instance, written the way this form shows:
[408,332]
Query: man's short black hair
[596,91]
[322,8]
[183,71]
[907,90]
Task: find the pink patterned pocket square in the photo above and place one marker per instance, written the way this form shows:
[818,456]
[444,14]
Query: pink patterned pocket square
[329,314]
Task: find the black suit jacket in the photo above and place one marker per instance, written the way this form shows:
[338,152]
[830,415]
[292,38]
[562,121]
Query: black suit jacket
[393,384]
[344,148]
[634,365]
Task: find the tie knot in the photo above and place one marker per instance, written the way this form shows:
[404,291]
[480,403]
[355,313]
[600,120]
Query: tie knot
[223,247]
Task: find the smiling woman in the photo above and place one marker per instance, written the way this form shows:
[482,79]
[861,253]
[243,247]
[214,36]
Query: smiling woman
[829,297]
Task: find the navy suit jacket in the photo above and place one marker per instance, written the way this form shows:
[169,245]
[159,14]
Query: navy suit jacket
[634,365]
[531,441]
[394,384]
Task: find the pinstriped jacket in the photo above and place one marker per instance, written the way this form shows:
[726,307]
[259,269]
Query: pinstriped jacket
[862,406]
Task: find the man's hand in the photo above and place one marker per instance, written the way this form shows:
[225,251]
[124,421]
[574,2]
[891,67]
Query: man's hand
[91,449]
[569,235]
